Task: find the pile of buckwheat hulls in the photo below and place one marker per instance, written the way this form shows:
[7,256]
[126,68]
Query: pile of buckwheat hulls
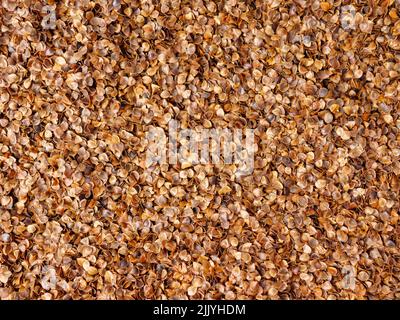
[83,217]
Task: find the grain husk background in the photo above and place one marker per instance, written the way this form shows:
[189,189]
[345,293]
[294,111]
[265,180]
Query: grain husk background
[83,217]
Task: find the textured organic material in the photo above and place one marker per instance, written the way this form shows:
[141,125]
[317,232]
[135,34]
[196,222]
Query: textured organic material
[84,215]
